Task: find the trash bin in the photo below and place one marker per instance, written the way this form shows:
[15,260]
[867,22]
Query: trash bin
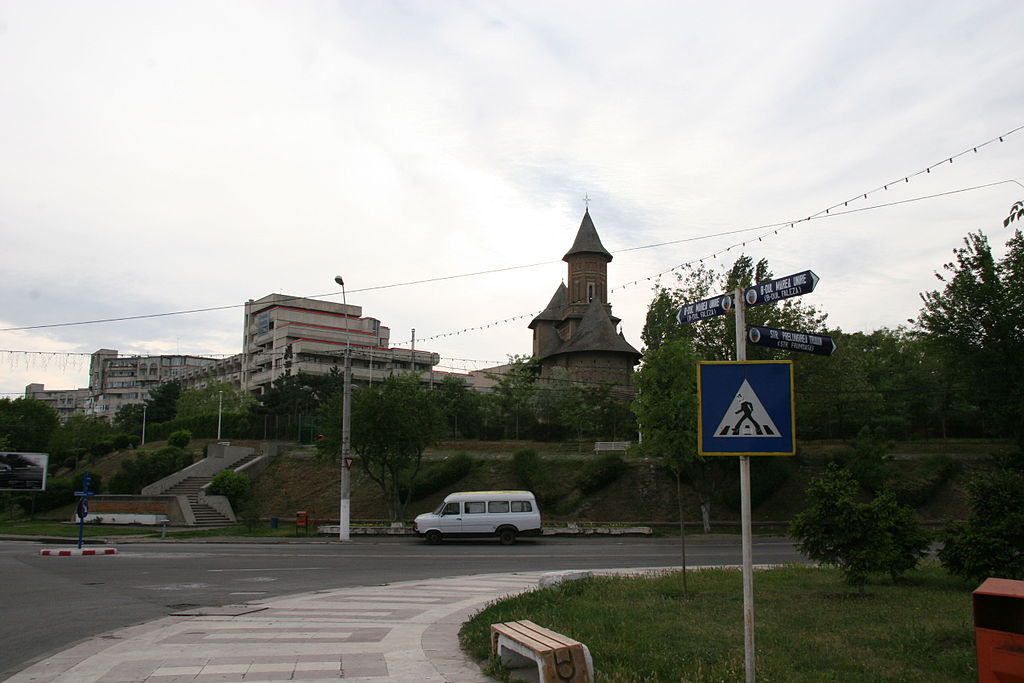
[999,631]
[273,522]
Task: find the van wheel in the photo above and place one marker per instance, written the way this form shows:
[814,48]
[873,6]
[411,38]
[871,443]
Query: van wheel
[433,537]
[507,536]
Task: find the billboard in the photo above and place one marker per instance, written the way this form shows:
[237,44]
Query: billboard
[23,471]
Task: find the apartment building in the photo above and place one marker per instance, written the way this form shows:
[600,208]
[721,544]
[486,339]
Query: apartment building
[288,334]
[116,381]
[65,402]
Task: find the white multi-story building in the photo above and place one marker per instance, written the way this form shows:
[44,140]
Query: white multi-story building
[283,335]
[288,335]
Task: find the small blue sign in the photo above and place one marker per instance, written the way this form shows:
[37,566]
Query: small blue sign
[746,408]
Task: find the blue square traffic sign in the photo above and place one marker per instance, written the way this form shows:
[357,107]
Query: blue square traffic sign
[746,408]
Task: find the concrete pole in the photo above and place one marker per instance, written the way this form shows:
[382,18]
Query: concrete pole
[748,555]
[344,513]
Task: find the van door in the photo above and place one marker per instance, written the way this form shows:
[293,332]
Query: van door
[475,519]
[450,520]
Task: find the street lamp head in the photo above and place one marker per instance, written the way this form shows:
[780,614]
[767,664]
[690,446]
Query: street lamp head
[339,280]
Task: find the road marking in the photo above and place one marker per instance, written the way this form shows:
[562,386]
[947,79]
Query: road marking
[269,569]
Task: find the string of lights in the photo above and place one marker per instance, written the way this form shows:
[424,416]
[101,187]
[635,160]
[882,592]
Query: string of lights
[768,230]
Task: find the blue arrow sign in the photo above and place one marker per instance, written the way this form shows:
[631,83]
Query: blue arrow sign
[746,408]
[782,288]
[818,344]
[708,308]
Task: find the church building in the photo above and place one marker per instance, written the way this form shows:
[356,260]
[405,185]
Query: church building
[575,337]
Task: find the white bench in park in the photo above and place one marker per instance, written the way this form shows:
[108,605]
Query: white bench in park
[557,657]
[606,446]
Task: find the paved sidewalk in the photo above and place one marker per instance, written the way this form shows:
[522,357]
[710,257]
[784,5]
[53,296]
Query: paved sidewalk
[404,632]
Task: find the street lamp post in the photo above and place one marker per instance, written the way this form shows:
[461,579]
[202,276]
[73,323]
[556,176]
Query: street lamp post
[344,515]
[220,409]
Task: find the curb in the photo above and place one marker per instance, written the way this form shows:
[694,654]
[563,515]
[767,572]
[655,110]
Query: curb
[66,552]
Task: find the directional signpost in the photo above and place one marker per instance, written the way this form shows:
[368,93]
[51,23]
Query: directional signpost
[747,408]
[781,288]
[83,507]
[818,344]
[708,308]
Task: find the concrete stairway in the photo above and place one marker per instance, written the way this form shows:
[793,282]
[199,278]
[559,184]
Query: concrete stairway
[205,515]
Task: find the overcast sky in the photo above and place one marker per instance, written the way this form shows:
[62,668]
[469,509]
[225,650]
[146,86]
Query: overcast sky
[166,156]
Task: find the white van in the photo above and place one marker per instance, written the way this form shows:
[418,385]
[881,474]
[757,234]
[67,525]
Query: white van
[505,514]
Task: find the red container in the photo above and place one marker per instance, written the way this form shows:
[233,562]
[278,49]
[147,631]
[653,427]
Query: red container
[999,631]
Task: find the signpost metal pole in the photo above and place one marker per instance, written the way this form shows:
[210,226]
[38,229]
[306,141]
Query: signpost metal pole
[748,553]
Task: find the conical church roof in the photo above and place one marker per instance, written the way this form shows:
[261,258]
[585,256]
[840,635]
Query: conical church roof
[556,307]
[587,241]
[597,333]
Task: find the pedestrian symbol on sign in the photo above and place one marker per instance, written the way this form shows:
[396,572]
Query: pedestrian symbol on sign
[746,417]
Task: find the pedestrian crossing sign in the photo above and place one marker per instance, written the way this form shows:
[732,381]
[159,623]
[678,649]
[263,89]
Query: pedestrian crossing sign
[746,408]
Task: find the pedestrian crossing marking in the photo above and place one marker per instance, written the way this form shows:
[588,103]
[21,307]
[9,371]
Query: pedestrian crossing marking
[746,417]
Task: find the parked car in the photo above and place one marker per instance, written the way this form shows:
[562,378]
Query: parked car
[467,514]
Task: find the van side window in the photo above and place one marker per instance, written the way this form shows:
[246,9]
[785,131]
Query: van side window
[476,508]
[497,506]
[450,509]
[521,506]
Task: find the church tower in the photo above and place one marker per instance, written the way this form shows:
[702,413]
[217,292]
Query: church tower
[575,336]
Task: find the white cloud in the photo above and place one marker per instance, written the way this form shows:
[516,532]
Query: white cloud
[171,156]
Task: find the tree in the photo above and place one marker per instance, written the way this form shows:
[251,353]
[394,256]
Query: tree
[858,538]
[80,434]
[460,405]
[26,424]
[393,422]
[977,321]
[222,396]
[991,541]
[666,408]
[128,418]
[162,404]
[515,391]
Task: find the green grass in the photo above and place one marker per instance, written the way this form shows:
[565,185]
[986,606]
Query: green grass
[67,530]
[809,627]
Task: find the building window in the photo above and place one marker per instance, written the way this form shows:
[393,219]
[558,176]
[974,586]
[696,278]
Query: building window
[590,291]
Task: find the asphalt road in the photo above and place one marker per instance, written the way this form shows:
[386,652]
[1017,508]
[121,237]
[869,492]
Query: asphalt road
[49,603]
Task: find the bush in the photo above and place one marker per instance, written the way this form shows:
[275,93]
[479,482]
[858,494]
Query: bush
[867,459]
[599,472]
[991,541]
[526,466]
[122,441]
[147,468]
[924,479]
[101,448]
[858,538]
[438,475]
[767,475]
[232,485]
[179,438]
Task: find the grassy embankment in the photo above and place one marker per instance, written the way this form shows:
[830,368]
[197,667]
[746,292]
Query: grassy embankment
[809,627]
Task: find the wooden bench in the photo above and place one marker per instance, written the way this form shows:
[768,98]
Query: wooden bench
[611,446]
[558,657]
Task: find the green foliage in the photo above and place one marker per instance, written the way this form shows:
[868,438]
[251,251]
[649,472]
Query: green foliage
[991,541]
[919,483]
[526,466]
[767,475]
[179,438]
[149,467]
[975,325]
[209,400]
[26,424]
[867,459]
[600,472]
[438,475]
[233,426]
[392,423]
[162,404]
[235,486]
[858,538]
[81,434]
